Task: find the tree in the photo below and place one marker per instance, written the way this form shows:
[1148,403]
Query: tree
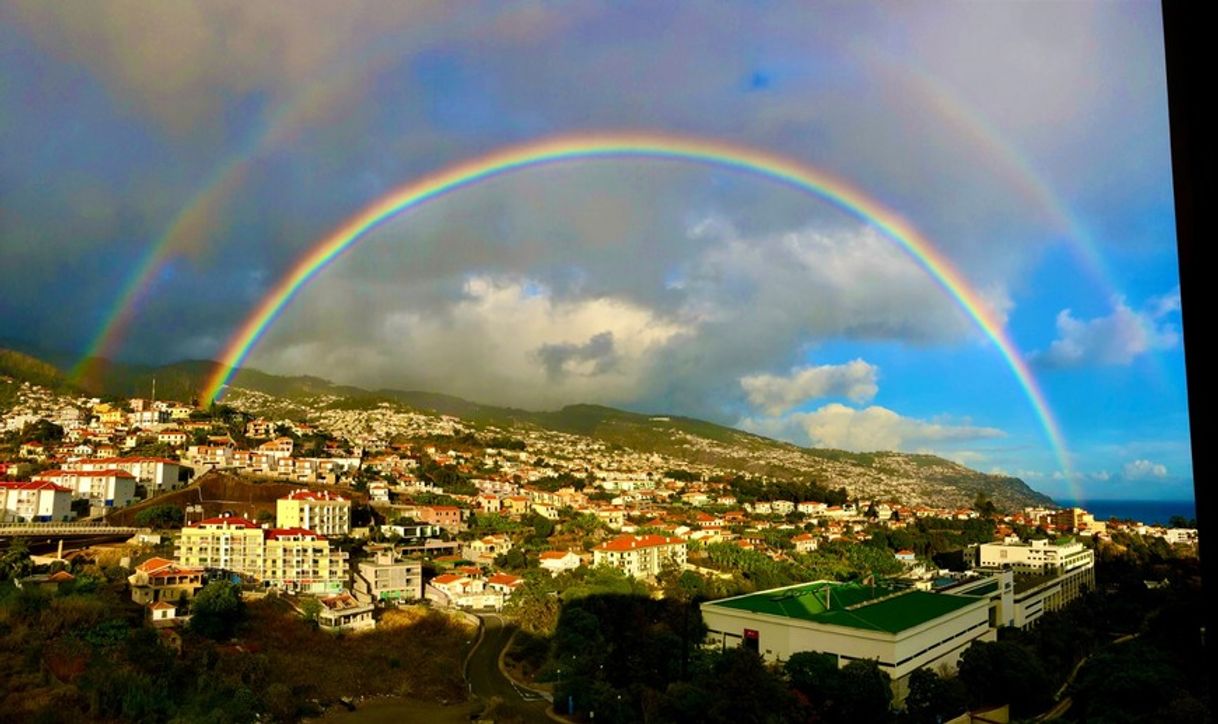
[15,563]
[311,609]
[932,698]
[1003,672]
[160,516]
[217,610]
[984,506]
[864,693]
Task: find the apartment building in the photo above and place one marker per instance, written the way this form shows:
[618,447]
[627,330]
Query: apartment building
[640,555]
[34,502]
[289,558]
[324,512]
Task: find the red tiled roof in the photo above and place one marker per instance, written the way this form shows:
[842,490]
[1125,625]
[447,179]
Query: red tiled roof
[553,555]
[153,564]
[445,578]
[161,606]
[505,579]
[39,485]
[232,521]
[313,495]
[631,542]
[61,576]
[285,532]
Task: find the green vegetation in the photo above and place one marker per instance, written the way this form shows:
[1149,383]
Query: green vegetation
[84,653]
[217,610]
[24,368]
[160,516]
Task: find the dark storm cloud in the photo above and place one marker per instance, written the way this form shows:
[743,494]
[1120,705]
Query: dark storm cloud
[673,281]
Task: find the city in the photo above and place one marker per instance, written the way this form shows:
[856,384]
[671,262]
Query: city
[585,362]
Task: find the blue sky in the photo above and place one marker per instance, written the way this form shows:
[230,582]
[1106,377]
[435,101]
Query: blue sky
[1010,135]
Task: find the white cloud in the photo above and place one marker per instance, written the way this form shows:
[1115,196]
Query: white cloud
[867,429]
[507,341]
[1143,470]
[776,394]
[1116,339]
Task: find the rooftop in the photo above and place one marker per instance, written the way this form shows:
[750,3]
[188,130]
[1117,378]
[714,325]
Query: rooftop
[878,608]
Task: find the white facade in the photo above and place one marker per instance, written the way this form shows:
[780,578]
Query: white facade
[102,488]
[930,641]
[324,512]
[1038,556]
[640,556]
[34,502]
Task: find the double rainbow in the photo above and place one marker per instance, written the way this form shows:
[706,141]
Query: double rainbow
[586,147]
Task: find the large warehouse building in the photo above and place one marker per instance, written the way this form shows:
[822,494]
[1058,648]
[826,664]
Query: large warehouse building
[903,630]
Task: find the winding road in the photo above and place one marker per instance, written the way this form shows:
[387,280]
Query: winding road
[485,678]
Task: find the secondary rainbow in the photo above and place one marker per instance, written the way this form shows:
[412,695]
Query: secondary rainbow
[587,147]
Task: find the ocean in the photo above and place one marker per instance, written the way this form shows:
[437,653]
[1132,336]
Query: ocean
[1143,511]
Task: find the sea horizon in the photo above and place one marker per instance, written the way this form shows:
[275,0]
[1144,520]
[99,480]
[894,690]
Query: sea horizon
[1143,511]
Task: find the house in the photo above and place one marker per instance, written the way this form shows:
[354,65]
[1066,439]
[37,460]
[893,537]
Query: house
[162,613]
[463,591]
[378,491]
[33,449]
[342,612]
[804,542]
[259,428]
[906,556]
[172,438]
[45,581]
[34,502]
[448,517]
[782,507]
[278,448]
[612,516]
[558,561]
[515,505]
[160,579]
[640,556]
[485,550]
[504,583]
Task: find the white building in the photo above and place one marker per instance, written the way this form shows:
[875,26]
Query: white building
[1038,556]
[902,630]
[155,474]
[640,555]
[35,502]
[558,561]
[1045,576]
[102,488]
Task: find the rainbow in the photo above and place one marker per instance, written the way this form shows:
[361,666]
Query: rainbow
[189,228]
[594,146]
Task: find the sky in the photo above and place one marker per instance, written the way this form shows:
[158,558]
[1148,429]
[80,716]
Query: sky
[167,164]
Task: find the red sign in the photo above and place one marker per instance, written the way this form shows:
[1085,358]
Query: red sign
[751,635]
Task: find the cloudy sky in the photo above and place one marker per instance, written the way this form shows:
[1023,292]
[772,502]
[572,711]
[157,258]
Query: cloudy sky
[1027,142]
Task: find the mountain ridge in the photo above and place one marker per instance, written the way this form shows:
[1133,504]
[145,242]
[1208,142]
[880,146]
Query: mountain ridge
[877,474]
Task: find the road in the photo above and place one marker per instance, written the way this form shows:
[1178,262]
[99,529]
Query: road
[485,678]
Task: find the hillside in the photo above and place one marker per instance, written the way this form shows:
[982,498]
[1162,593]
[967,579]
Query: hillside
[906,477]
[218,493]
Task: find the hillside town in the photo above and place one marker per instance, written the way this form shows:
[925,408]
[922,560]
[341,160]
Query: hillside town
[348,513]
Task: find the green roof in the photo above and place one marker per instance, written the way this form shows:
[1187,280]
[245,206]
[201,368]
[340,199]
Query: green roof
[984,589]
[850,604]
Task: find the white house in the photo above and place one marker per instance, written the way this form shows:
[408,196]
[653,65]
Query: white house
[558,561]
